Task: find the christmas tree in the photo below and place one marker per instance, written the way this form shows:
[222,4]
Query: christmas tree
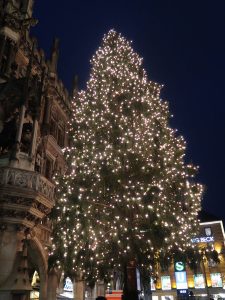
[128,195]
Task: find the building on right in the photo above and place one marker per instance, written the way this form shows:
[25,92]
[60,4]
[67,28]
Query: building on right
[208,281]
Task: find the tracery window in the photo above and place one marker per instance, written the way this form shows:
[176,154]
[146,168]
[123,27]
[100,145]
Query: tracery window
[57,128]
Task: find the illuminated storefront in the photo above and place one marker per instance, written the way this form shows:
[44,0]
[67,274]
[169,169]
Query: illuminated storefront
[35,283]
[67,289]
[208,282]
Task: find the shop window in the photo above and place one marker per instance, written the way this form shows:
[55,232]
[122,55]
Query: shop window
[153,282]
[166,283]
[199,281]
[216,280]
[35,283]
[67,288]
[208,231]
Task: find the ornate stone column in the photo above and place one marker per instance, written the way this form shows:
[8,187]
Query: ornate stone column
[10,241]
[21,120]
[34,138]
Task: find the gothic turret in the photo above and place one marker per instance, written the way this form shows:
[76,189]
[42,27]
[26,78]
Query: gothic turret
[54,57]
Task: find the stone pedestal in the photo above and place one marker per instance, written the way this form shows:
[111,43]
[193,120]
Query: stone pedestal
[8,250]
[15,283]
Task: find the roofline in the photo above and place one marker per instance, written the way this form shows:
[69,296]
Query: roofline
[215,222]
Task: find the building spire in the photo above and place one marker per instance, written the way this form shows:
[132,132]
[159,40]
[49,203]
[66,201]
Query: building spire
[75,86]
[54,56]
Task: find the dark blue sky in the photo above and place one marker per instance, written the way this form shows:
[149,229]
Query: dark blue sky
[183,46]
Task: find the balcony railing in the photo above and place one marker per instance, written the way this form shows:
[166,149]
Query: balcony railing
[27,179]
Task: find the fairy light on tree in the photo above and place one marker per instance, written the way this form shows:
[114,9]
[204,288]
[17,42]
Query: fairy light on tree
[128,195]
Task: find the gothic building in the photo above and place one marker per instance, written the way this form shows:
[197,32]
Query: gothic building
[34,111]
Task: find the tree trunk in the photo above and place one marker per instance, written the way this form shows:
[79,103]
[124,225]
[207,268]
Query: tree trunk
[53,282]
[79,289]
[130,282]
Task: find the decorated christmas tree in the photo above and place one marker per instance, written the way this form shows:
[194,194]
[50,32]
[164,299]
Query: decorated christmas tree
[128,195]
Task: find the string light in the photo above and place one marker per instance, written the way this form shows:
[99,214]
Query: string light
[128,193]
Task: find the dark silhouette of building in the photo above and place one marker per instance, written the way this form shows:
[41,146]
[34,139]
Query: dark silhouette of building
[34,112]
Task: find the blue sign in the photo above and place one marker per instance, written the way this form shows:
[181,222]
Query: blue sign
[203,239]
[182,292]
[181,280]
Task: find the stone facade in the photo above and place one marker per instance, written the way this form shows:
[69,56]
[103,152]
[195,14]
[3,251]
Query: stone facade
[34,114]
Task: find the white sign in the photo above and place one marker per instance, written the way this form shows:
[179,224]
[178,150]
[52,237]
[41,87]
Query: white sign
[204,239]
[152,285]
[199,281]
[68,285]
[181,280]
[138,276]
[216,280]
[166,283]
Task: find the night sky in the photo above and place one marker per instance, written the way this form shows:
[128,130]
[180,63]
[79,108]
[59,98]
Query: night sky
[183,46]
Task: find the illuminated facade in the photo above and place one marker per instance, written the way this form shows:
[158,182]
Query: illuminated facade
[208,281]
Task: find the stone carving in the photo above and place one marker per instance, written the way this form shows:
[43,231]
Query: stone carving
[17,200]
[27,179]
[13,214]
[45,188]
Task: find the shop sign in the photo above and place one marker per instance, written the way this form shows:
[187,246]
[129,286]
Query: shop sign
[204,239]
[181,280]
[166,283]
[179,266]
[182,292]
